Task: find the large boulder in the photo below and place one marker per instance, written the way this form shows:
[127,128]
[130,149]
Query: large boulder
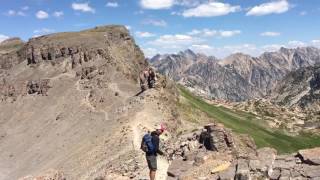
[310,156]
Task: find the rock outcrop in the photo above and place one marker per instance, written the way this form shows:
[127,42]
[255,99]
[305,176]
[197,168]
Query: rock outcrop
[10,53]
[240,160]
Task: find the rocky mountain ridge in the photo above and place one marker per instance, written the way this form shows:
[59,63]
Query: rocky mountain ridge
[68,103]
[237,77]
[300,88]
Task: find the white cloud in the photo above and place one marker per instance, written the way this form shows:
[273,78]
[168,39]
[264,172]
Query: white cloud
[214,33]
[20,13]
[144,34]
[3,37]
[202,48]
[203,32]
[243,48]
[156,4]
[294,44]
[189,3]
[176,41]
[211,9]
[272,47]
[128,27]
[155,22]
[83,7]
[11,13]
[274,7]
[229,33]
[170,43]
[58,14]
[270,34]
[112,4]
[315,43]
[42,15]
[15,13]
[224,51]
[150,52]
[43,31]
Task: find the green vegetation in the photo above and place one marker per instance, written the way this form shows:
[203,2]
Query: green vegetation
[246,123]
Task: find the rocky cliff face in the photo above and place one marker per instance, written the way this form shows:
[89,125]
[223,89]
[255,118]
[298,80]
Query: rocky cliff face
[174,65]
[68,102]
[237,77]
[300,88]
[204,75]
[9,53]
[265,71]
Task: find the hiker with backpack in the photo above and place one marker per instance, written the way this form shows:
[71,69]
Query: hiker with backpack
[150,145]
[144,77]
[151,78]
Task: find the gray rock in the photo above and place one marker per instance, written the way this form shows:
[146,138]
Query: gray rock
[311,171]
[284,162]
[310,156]
[178,167]
[275,174]
[243,171]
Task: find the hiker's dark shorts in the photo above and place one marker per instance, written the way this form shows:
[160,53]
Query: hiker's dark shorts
[152,162]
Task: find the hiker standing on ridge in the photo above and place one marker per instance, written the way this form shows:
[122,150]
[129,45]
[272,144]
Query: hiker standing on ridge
[150,145]
[144,77]
[151,78]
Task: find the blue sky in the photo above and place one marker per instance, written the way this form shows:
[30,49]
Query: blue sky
[213,27]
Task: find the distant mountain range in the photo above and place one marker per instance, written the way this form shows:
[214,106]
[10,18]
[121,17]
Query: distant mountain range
[237,77]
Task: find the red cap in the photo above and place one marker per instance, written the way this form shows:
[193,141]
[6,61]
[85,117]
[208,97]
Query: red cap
[161,127]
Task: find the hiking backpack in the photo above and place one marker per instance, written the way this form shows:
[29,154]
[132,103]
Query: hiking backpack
[147,145]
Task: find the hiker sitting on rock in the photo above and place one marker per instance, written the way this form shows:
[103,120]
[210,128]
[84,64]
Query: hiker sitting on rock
[206,138]
[150,145]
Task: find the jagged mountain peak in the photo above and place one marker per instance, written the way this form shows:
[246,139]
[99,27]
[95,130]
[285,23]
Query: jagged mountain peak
[187,52]
[236,58]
